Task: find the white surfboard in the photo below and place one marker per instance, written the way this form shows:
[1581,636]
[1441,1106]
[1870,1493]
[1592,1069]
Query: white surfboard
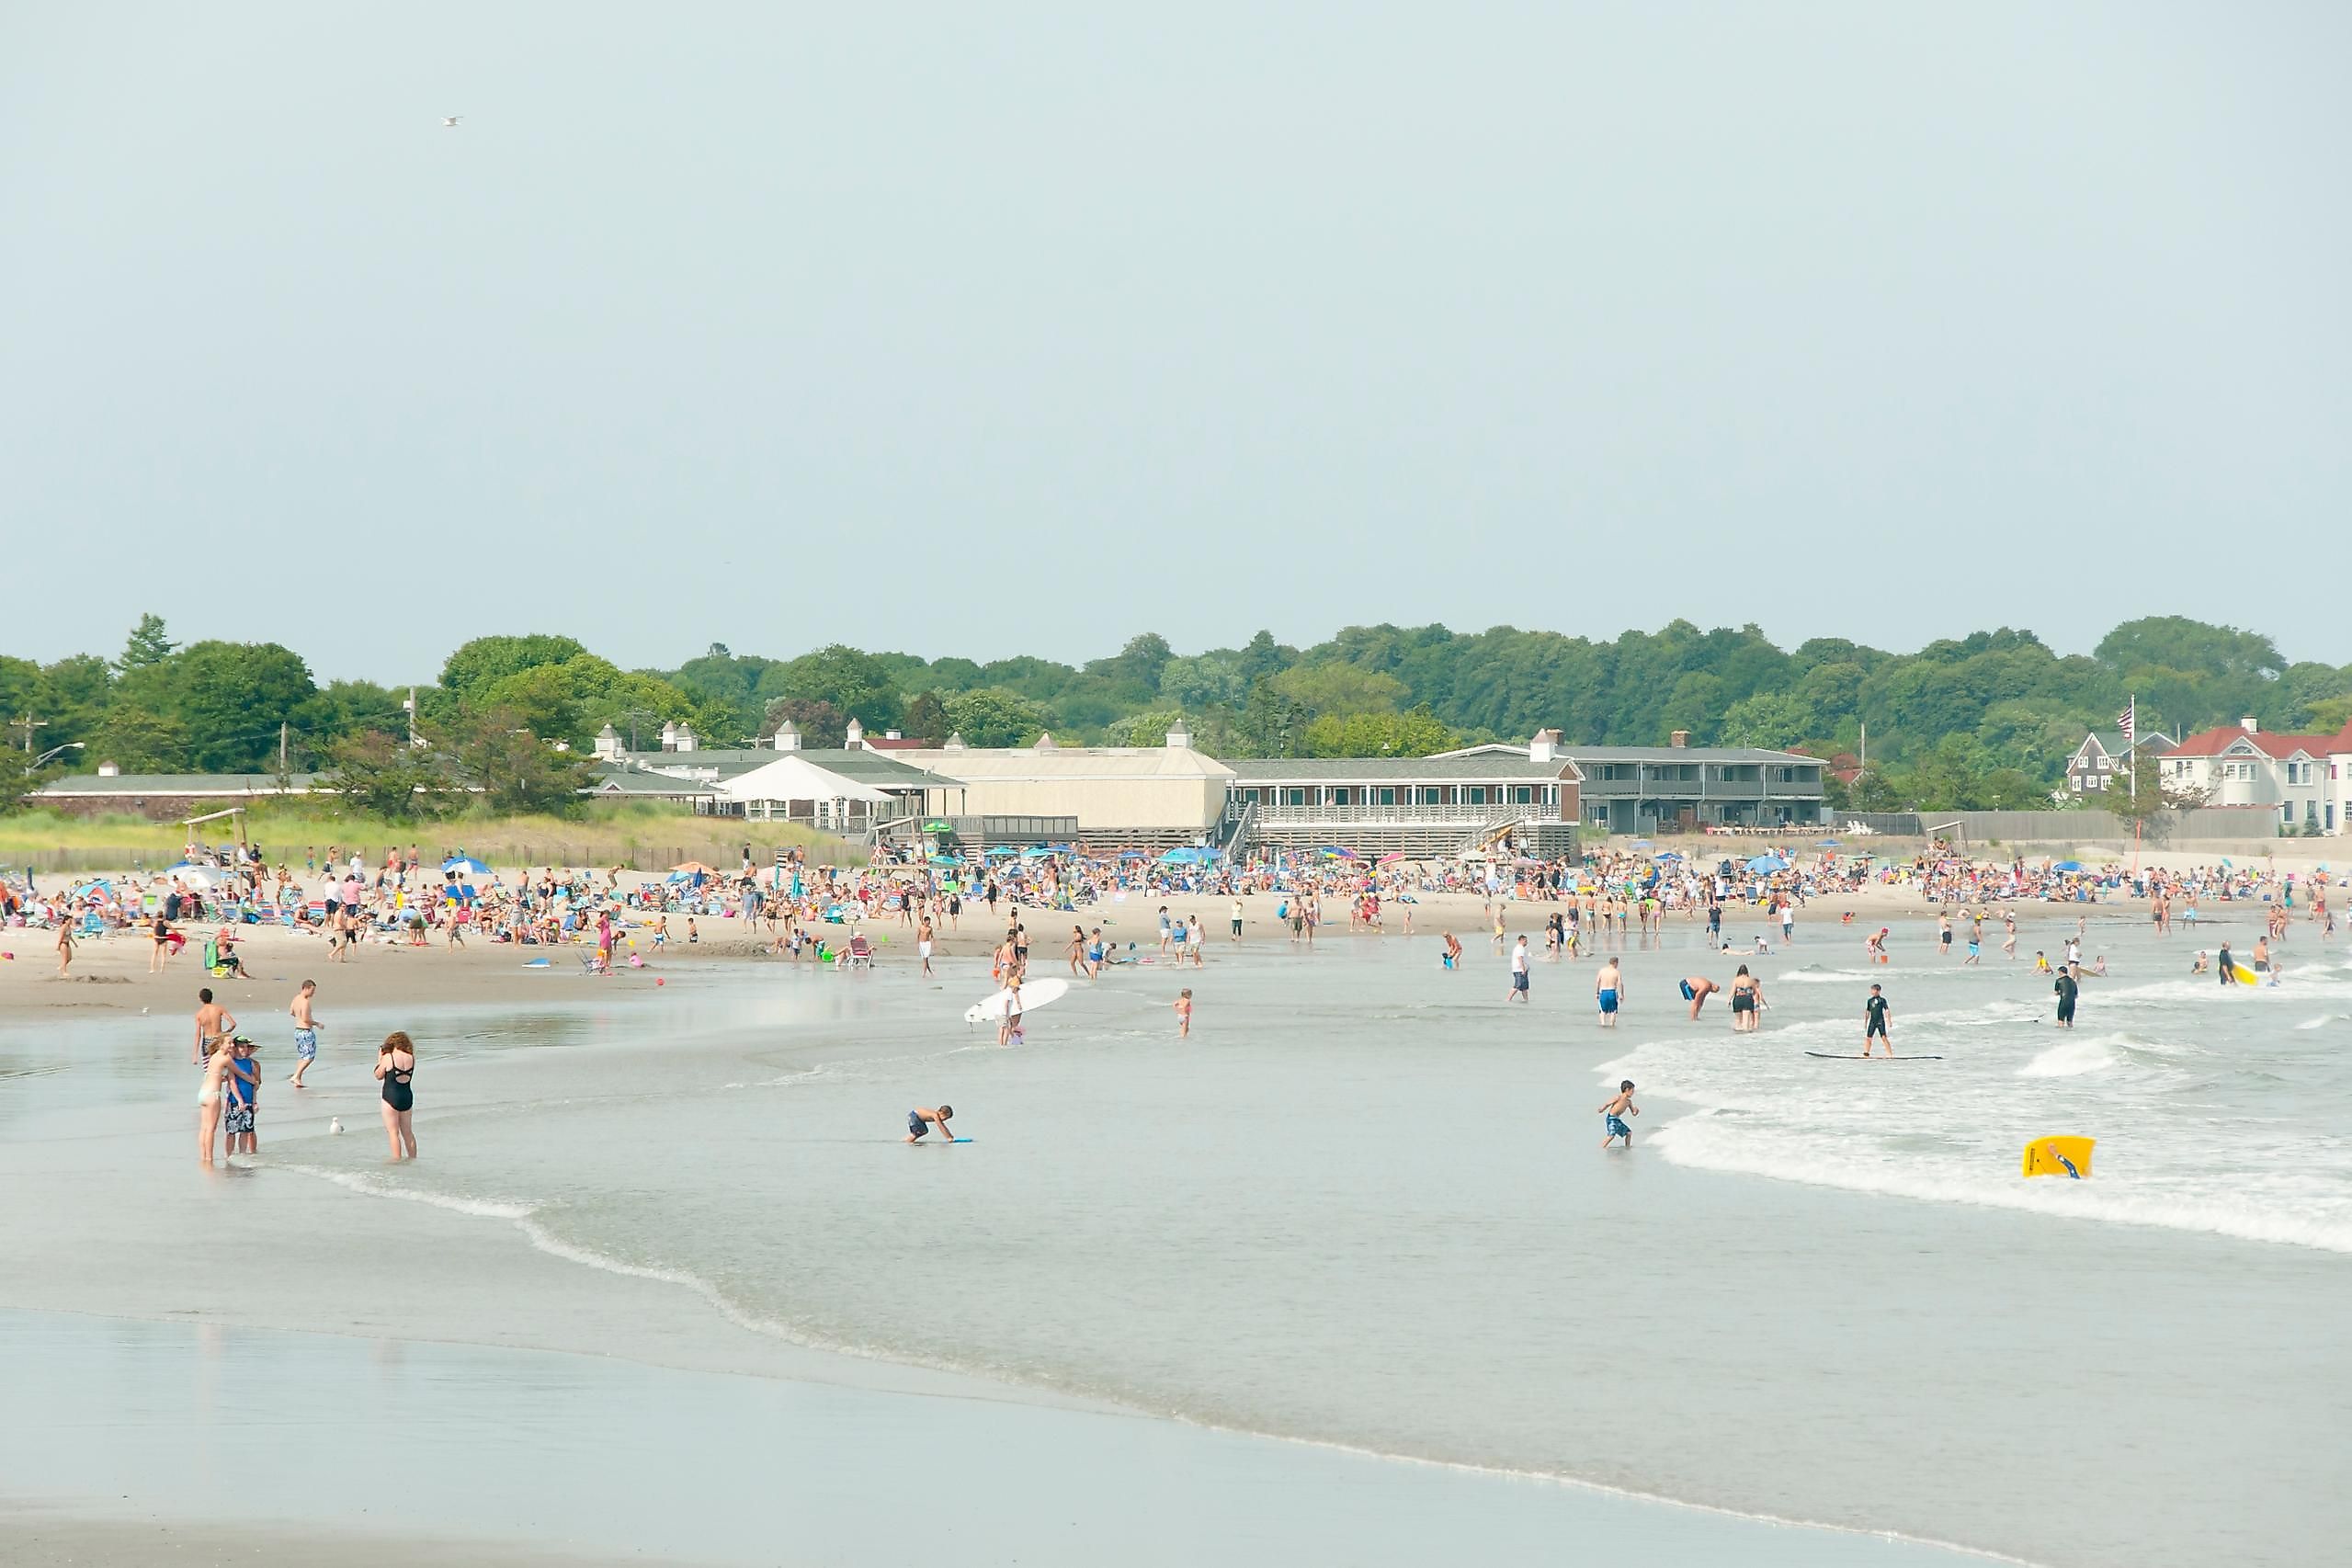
[1034,995]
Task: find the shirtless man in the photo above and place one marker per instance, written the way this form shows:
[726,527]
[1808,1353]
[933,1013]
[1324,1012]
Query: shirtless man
[213,1023]
[306,1031]
[1696,989]
[1607,990]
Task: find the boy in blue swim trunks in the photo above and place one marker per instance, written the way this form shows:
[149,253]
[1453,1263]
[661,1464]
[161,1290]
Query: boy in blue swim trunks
[922,1119]
[1617,1110]
[1604,991]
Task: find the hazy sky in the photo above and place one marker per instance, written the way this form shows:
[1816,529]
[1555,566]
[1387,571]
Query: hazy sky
[988,329]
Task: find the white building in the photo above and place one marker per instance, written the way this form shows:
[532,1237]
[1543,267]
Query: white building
[2306,779]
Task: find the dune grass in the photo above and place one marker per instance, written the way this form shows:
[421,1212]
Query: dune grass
[641,835]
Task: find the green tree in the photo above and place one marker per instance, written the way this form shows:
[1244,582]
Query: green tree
[231,697]
[823,726]
[1417,734]
[1773,720]
[511,769]
[148,645]
[1197,683]
[991,717]
[927,718]
[1340,689]
[484,660]
[858,684]
[376,775]
[137,739]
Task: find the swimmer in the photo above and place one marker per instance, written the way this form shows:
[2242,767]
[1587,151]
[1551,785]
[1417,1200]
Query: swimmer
[922,1119]
[1617,1110]
[1696,989]
[1747,996]
[1606,990]
[1184,1012]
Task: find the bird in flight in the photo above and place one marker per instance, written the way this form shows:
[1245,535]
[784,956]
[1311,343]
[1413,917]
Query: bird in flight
[451,120]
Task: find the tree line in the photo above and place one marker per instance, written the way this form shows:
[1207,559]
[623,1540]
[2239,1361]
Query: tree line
[1983,721]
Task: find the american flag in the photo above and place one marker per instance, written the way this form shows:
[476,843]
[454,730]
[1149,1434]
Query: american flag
[2130,720]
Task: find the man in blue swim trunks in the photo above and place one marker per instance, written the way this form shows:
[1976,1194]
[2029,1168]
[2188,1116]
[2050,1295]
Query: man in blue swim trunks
[1617,1110]
[1696,989]
[1605,986]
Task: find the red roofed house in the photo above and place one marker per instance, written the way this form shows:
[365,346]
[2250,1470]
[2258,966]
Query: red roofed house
[2303,777]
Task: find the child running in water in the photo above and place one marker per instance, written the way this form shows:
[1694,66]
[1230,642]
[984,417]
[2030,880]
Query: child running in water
[1184,1012]
[1617,1110]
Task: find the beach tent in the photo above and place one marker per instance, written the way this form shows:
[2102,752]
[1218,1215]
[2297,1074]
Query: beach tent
[465,866]
[1765,863]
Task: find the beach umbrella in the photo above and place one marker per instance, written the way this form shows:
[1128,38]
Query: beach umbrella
[1667,855]
[2068,866]
[944,860]
[194,875]
[1764,863]
[1828,844]
[1640,844]
[1334,852]
[691,868]
[1000,851]
[1038,852]
[1190,855]
[465,866]
[1392,855]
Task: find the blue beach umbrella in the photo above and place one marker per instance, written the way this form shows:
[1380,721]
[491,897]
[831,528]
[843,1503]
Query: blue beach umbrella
[2068,866]
[465,866]
[1190,855]
[1764,863]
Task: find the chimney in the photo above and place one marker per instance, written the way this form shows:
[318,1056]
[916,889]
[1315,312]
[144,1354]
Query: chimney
[669,735]
[685,741]
[1679,739]
[609,743]
[2248,726]
[788,736]
[855,740]
[1545,746]
[1179,737]
[954,742]
[109,770]
[1045,742]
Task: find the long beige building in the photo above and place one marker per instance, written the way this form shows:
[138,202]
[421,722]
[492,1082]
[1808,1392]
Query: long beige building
[1164,793]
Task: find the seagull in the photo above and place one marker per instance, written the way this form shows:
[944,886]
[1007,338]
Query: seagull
[451,120]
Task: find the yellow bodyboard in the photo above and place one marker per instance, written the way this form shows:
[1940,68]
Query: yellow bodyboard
[2058,1157]
[2245,975]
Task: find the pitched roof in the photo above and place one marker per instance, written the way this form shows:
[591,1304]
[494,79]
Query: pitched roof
[609,780]
[2272,743]
[177,784]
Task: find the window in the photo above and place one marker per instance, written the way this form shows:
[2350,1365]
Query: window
[1474,795]
[1387,796]
[1522,794]
[1687,773]
[1339,797]
[1295,797]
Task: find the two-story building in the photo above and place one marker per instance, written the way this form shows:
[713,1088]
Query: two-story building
[1412,805]
[2303,778]
[2104,753]
[1644,789]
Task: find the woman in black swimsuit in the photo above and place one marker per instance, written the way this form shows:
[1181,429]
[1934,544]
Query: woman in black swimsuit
[396,1067]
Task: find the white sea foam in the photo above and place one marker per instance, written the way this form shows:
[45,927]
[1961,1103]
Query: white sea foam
[377,1186]
[2069,1058]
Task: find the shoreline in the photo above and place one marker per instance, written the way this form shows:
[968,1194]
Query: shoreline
[1667,1530]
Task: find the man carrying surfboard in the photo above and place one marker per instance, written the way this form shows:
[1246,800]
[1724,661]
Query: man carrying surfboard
[1874,1023]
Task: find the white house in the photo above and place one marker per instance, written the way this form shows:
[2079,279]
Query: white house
[2304,777]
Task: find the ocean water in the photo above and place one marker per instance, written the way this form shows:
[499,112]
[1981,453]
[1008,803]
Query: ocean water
[1364,1208]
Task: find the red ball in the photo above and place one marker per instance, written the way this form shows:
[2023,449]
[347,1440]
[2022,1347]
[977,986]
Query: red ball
[658,980]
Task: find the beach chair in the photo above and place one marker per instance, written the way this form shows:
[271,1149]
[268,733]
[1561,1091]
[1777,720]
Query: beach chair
[91,925]
[592,962]
[860,954]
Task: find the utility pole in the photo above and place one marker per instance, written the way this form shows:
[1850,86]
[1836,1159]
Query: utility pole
[410,705]
[281,748]
[28,724]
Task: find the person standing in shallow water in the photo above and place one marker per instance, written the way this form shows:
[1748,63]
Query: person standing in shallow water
[396,1070]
